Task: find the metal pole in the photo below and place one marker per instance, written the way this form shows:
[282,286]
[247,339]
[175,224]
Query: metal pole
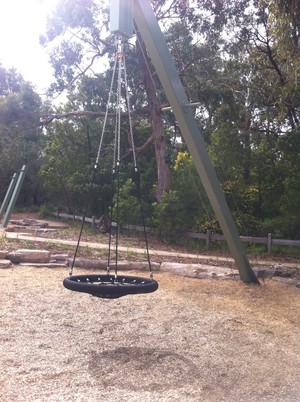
[8,193]
[156,45]
[14,196]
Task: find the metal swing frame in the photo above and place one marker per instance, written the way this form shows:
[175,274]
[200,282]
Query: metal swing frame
[122,15]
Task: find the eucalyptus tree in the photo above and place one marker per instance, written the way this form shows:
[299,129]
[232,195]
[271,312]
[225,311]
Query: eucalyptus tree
[232,58]
[231,66]
[71,150]
[283,24]
[81,45]
[243,69]
[276,52]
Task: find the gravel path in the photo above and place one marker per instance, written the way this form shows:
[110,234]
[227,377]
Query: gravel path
[192,340]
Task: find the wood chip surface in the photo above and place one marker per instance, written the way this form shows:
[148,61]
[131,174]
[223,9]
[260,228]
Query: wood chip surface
[192,340]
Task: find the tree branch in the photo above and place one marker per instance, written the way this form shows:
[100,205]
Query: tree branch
[77,113]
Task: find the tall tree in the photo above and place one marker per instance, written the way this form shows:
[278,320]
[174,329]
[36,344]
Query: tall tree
[235,61]
[20,138]
[77,29]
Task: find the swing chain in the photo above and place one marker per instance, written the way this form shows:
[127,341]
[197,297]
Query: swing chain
[119,72]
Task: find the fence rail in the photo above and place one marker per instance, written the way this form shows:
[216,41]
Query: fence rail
[208,237]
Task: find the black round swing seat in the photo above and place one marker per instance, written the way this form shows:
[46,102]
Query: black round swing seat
[109,287]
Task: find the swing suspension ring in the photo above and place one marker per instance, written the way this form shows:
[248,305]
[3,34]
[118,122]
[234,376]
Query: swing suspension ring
[110,286]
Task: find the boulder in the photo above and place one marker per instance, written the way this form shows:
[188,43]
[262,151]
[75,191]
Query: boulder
[88,263]
[5,263]
[199,270]
[137,266]
[3,254]
[122,265]
[27,255]
[59,257]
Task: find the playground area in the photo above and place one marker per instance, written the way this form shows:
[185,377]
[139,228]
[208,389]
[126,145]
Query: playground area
[192,340]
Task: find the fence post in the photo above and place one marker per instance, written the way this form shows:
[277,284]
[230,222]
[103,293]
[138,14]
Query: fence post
[269,243]
[93,221]
[207,240]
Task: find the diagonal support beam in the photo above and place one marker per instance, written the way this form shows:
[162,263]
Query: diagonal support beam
[156,45]
[8,194]
[14,196]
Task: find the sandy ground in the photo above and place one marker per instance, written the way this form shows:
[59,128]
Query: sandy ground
[192,340]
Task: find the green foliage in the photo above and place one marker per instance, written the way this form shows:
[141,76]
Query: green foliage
[186,207]
[165,214]
[186,204]
[244,71]
[290,197]
[129,206]
[21,141]
[210,224]
[46,211]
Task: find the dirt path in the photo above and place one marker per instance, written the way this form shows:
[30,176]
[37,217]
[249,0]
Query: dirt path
[192,340]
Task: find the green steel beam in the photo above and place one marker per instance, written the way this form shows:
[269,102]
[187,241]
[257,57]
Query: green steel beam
[14,196]
[156,45]
[121,17]
[8,193]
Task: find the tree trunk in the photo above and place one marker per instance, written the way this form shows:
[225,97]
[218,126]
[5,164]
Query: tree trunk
[157,128]
[247,148]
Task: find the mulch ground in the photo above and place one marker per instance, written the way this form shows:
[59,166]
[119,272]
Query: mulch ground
[192,340]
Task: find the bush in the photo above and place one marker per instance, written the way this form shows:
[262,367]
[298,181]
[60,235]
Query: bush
[129,206]
[46,211]
[166,216]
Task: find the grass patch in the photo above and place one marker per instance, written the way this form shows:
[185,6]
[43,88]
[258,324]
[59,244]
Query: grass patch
[130,254]
[285,251]
[3,241]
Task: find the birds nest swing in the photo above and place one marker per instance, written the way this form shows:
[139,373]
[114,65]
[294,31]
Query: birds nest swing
[109,286]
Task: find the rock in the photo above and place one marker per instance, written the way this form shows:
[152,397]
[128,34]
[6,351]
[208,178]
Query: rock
[287,281]
[199,270]
[5,263]
[40,225]
[60,257]
[43,230]
[10,229]
[285,273]
[264,272]
[122,265]
[88,263]
[137,266]
[26,255]
[45,264]
[3,254]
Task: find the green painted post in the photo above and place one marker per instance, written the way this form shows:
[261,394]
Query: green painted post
[8,193]
[156,45]
[121,17]
[14,196]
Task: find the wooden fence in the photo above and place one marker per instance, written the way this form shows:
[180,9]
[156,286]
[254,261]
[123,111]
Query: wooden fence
[208,237]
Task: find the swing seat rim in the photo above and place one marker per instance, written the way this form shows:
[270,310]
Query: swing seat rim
[110,287]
